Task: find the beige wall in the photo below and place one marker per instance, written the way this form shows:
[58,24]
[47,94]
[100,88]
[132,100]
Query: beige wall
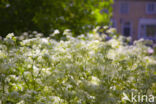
[137,10]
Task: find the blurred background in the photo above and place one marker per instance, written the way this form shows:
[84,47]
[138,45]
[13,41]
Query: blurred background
[45,16]
[135,18]
[131,18]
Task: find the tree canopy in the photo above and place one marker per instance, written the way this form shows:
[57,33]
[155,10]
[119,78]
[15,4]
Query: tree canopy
[47,15]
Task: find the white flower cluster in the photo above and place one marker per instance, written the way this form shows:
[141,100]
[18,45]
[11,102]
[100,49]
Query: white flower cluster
[86,69]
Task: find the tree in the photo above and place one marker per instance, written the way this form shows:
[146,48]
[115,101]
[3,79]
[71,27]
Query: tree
[46,15]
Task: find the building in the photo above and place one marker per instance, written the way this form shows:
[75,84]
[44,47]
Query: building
[135,18]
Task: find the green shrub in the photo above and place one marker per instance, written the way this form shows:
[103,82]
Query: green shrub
[82,70]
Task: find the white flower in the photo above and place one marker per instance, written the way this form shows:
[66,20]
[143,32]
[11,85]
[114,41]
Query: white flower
[91,53]
[35,69]
[2,54]
[39,35]
[55,32]
[10,35]
[111,54]
[44,40]
[56,99]
[114,43]
[67,32]
[21,102]
[4,68]
[95,80]
[111,30]
[96,29]
[46,71]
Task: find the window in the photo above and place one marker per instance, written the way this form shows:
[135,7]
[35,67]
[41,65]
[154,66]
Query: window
[151,30]
[148,30]
[127,29]
[151,8]
[124,8]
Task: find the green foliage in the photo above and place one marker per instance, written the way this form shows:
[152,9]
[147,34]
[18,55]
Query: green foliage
[47,15]
[82,70]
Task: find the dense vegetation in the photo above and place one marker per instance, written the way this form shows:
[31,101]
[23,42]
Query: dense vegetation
[45,16]
[77,70]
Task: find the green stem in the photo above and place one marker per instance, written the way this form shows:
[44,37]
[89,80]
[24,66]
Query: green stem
[25,81]
[3,88]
